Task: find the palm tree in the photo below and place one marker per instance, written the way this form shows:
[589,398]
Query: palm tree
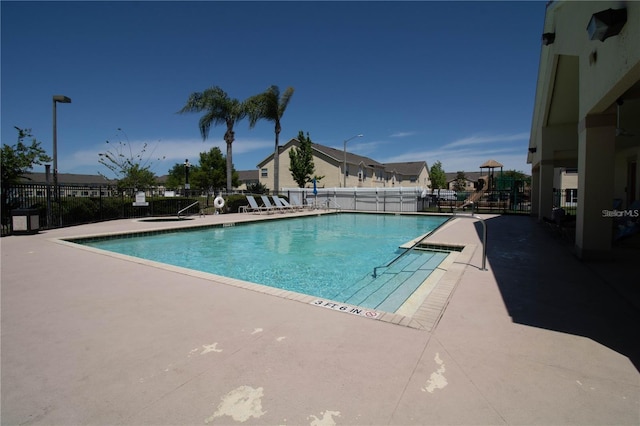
[270,106]
[219,109]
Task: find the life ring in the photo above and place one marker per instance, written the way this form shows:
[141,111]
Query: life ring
[218,203]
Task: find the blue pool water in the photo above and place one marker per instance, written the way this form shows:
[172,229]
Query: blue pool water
[328,256]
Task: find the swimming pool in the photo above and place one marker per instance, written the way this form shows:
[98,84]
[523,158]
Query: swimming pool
[329,256]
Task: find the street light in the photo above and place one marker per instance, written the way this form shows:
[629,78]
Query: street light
[344,161]
[64,100]
[187,187]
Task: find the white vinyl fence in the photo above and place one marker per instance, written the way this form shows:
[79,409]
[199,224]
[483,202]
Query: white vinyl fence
[361,199]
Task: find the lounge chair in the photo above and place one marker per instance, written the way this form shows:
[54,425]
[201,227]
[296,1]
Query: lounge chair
[282,203]
[295,202]
[253,205]
[629,223]
[268,206]
[561,223]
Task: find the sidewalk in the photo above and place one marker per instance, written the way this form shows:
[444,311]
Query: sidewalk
[540,338]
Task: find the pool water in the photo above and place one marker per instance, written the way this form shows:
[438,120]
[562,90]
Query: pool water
[329,256]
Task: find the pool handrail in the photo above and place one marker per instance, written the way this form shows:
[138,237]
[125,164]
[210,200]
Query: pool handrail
[457,214]
[417,243]
[188,207]
[404,253]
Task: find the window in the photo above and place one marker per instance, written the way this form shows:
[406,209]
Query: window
[571,195]
[264,172]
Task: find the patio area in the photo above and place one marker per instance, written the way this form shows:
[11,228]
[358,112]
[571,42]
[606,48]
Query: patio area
[539,338]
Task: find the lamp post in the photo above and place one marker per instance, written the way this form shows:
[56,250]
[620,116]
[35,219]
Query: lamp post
[344,161]
[64,100]
[187,187]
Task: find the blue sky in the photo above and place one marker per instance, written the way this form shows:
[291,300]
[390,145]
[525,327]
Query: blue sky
[436,81]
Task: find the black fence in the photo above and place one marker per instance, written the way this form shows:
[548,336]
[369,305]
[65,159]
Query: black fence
[509,201]
[69,205]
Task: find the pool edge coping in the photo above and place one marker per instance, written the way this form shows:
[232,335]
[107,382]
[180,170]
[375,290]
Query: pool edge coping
[425,317]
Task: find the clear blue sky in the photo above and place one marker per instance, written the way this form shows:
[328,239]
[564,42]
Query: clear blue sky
[447,81]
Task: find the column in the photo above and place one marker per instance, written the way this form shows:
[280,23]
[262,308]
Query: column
[596,150]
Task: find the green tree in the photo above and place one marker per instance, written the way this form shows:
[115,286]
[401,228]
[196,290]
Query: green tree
[16,160]
[131,170]
[271,106]
[257,188]
[218,109]
[517,175]
[437,176]
[301,160]
[20,158]
[460,183]
[176,177]
[210,173]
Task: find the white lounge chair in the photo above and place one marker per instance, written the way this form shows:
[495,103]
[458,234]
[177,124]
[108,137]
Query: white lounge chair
[268,206]
[295,201]
[282,203]
[253,205]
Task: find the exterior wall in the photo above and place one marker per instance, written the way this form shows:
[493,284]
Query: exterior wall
[576,113]
[359,176]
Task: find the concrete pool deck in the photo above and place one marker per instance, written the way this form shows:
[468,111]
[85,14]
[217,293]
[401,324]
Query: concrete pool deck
[539,338]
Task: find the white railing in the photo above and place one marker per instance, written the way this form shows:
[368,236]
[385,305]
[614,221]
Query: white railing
[362,199]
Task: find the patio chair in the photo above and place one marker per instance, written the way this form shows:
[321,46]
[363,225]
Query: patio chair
[268,206]
[253,205]
[282,203]
[295,202]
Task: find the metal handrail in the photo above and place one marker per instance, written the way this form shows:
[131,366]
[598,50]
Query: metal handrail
[329,201]
[484,235]
[416,244]
[188,207]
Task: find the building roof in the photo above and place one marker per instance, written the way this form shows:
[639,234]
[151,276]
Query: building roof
[68,178]
[333,153]
[248,175]
[470,176]
[490,164]
[338,155]
[407,169]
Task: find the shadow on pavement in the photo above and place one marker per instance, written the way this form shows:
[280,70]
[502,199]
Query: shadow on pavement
[543,284]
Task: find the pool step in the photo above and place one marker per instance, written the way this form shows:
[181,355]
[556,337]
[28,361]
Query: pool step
[395,284]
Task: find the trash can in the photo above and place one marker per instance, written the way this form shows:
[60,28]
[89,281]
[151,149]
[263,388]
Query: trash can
[25,221]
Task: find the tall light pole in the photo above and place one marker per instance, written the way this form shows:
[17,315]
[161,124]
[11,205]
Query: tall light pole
[56,194]
[63,100]
[187,187]
[344,161]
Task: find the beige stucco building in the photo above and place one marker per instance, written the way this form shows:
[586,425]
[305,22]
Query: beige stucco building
[587,114]
[362,172]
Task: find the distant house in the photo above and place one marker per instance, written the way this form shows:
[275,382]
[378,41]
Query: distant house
[470,183]
[80,185]
[361,171]
[68,179]
[247,177]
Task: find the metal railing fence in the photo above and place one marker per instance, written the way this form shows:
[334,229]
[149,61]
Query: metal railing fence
[414,199]
[69,205]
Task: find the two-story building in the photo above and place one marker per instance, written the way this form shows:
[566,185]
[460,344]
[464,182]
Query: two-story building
[360,171]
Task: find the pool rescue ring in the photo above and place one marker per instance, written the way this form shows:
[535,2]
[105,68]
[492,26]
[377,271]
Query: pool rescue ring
[218,202]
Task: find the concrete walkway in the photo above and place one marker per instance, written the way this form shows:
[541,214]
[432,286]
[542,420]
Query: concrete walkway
[540,338]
